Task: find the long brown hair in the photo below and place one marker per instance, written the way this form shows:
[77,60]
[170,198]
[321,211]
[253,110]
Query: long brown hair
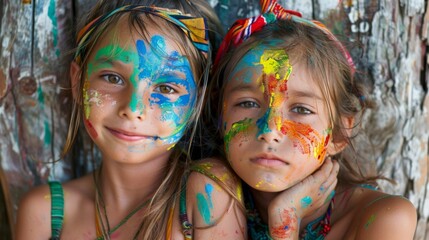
[346,96]
[154,221]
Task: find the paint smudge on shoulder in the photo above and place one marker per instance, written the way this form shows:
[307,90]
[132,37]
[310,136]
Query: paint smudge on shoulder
[370,221]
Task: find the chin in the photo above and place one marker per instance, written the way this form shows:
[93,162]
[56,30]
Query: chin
[270,186]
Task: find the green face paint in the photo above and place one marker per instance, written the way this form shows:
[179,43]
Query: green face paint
[236,128]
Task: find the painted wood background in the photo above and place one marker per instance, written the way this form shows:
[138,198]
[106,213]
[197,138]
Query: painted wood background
[36,36]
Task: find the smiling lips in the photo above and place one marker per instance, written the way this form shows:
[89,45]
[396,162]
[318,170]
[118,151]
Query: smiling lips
[128,136]
[268,160]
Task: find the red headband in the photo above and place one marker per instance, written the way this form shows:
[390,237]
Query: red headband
[271,12]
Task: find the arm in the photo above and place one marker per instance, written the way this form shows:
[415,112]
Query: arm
[34,215]
[387,217]
[214,211]
[305,198]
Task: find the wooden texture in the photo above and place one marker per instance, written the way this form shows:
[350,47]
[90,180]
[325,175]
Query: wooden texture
[36,37]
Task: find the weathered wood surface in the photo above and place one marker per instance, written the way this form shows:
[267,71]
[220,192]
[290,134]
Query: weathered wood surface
[33,104]
[394,36]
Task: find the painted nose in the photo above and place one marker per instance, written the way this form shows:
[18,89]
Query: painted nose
[268,130]
[130,114]
[134,108]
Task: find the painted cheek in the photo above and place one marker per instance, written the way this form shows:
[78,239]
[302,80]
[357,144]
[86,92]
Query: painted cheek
[237,128]
[86,105]
[306,138]
[91,129]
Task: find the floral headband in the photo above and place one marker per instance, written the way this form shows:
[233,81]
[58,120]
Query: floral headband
[194,27]
[272,11]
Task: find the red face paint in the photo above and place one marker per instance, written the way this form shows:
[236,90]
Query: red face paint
[91,130]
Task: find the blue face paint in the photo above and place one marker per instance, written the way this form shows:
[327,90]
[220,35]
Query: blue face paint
[157,67]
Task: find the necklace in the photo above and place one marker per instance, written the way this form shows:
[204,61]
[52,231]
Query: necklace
[258,230]
[104,231]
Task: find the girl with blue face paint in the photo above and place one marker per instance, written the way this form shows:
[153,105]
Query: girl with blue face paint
[286,100]
[138,77]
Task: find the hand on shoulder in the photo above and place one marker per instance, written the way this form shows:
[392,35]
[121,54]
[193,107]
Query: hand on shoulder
[387,217]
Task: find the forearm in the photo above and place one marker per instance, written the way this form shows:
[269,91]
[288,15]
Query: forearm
[283,224]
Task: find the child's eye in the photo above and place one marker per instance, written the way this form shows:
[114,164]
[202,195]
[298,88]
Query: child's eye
[301,110]
[112,78]
[165,89]
[248,104]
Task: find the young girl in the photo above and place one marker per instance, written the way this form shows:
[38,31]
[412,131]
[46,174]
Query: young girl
[288,100]
[137,78]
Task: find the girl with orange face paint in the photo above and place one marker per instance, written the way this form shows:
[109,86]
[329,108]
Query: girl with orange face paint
[288,100]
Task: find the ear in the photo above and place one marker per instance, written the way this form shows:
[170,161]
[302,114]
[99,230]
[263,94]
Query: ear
[338,143]
[75,78]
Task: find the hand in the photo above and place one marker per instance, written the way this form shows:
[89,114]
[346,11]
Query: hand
[301,200]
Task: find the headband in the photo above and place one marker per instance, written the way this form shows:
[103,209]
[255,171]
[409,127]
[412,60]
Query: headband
[194,27]
[271,12]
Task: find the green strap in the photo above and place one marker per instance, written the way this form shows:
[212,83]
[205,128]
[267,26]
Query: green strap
[57,209]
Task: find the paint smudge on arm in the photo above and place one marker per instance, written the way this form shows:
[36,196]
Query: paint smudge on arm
[306,202]
[287,226]
[370,221]
[205,204]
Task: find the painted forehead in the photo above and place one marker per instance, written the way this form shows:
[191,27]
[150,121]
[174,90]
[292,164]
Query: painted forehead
[250,66]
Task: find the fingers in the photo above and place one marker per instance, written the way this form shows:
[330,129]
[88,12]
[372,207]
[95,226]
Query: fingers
[323,173]
[330,172]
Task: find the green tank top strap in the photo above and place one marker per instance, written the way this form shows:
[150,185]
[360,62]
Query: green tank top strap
[57,209]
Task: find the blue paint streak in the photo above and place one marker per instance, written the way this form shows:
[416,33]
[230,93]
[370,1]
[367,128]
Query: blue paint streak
[262,123]
[306,201]
[209,190]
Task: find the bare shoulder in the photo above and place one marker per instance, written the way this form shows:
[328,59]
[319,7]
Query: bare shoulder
[385,216]
[217,170]
[214,200]
[33,216]
[34,210]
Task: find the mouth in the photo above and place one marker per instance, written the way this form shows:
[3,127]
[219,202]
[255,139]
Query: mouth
[129,136]
[269,160]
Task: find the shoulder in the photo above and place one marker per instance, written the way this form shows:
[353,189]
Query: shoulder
[34,210]
[385,216]
[214,197]
[216,170]
[34,214]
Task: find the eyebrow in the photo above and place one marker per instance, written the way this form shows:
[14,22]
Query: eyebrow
[107,60]
[304,94]
[243,87]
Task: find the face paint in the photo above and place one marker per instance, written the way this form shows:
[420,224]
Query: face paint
[305,137]
[91,130]
[275,73]
[104,58]
[152,67]
[236,128]
[158,69]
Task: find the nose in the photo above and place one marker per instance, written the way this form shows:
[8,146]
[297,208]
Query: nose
[268,131]
[273,136]
[133,109]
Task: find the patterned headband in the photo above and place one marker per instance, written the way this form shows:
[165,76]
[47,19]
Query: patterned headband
[272,11]
[194,27]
